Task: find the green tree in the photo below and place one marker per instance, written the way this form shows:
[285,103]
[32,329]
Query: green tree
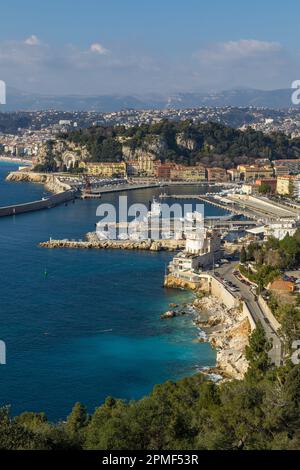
[77,421]
[257,353]
[243,257]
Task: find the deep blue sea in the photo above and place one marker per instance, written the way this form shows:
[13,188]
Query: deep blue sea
[91,327]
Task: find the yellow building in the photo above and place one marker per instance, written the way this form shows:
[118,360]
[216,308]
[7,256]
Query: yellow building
[106,169]
[284,184]
[254,172]
[288,186]
[146,164]
[188,173]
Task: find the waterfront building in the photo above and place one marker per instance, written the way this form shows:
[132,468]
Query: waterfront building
[281,170]
[287,167]
[248,189]
[217,175]
[202,250]
[188,173]
[283,185]
[132,168]
[289,186]
[280,230]
[271,182]
[106,169]
[147,164]
[253,172]
[233,174]
[164,170]
[277,230]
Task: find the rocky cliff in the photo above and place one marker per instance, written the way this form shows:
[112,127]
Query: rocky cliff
[228,331]
[51,182]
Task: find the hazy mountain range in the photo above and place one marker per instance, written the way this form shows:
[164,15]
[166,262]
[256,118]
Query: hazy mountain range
[21,101]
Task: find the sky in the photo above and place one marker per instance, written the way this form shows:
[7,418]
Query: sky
[140,47]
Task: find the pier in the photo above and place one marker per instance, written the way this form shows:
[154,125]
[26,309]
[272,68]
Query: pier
[255,208]
[97,193]
[46,203]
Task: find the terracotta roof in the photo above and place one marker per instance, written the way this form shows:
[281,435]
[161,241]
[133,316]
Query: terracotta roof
[281,285]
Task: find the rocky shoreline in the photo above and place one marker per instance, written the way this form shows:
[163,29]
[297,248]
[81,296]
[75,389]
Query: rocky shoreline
[51,182]
[228,331]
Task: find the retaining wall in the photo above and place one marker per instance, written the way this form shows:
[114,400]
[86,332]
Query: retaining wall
[268,313]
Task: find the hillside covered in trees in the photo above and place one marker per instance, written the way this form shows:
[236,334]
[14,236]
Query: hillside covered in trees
[262,412]
[209,144]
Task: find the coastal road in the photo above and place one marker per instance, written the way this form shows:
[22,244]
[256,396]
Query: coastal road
[226,272]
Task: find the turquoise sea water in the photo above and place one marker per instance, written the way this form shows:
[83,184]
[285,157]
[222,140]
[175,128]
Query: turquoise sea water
[91,327]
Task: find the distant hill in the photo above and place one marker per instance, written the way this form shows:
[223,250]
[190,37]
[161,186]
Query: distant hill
[208,144]
[21,101]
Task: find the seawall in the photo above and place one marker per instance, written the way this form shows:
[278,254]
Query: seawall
[46,203]
[63,193]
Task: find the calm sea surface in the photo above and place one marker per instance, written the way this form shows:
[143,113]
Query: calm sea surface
[91,327]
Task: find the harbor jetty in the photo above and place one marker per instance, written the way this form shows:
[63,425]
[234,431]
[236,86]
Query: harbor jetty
[93,243]
[63,193]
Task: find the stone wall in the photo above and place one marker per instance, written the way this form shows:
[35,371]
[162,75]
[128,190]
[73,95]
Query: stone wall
[46,203]
[268,313]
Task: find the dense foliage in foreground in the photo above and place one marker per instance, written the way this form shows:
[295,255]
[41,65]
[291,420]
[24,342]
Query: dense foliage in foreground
[261,412]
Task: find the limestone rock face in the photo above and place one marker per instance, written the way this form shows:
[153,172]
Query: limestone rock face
[152,147]
[228,331]
[175,283]
[63,153]
[185,142]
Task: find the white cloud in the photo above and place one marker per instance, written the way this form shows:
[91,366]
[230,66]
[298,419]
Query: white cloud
[32,40]
[68,68]
[98,48]
[238,50]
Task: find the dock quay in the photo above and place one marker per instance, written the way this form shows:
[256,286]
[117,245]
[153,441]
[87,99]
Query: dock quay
[255,208]
[97,193]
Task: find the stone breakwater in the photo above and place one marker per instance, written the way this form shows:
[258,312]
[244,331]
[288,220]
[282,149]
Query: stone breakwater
[92,242]
[51,182]
[228,331]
